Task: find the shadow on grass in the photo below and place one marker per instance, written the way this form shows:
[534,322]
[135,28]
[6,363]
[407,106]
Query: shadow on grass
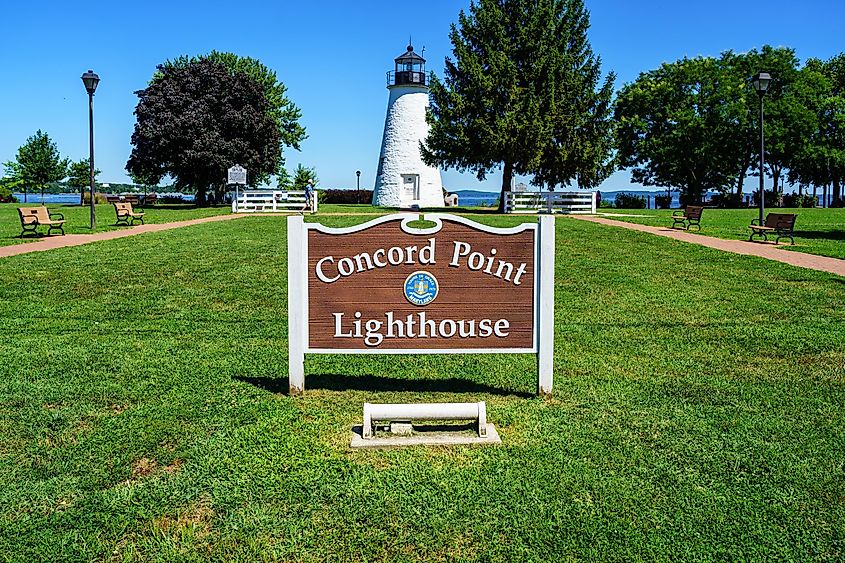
[334,382]
[823,235]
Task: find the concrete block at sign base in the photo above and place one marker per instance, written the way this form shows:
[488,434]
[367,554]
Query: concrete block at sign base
[425,438]
[401,428]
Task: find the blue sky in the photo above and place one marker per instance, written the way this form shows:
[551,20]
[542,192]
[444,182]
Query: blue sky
[333,57]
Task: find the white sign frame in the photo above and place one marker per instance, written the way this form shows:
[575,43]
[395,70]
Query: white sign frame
[237,175]
[298,314]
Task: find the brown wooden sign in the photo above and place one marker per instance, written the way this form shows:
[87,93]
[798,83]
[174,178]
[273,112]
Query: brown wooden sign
[387,287]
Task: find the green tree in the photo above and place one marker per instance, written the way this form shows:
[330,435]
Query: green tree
[79,177]
[38,163]
[521,94]
[822,159]
[788,119]
[284,181]
[677,126]
[579,111]
[195,120]
[12,179]
[301,176]
[8,185]
[279,107]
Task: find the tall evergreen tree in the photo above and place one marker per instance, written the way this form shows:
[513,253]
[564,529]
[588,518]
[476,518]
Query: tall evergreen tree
[580,112]
[521,94]
[301,176]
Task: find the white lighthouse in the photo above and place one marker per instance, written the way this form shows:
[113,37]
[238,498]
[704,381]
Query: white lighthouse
[403,179]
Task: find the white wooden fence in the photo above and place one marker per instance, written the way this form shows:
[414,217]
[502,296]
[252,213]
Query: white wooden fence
[272,201]
[550,202]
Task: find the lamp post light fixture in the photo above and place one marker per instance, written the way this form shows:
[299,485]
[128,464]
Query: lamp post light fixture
[91,80]
[761,81]
[358,194]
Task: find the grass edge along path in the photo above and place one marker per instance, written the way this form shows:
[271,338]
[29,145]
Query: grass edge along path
[768,251]
[52,242]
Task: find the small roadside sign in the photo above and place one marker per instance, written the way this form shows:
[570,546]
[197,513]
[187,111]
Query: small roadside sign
[237,175]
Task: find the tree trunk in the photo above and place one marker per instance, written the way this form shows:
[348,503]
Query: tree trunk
[507,180]
[740,180]
[837,193]
[775,187]
[200,197]
[81,196]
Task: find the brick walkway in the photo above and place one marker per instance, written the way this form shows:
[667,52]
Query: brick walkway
[763,250]
[49,243]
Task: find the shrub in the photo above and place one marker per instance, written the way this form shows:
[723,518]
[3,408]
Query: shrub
[771,200]
[605,203]
[98,198]
[629,201]
[344,196]
[728,201]
[663,201]
[803,200]
[170,200]
[6,196]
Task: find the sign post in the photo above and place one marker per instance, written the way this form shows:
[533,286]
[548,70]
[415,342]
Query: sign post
[385,287]
[236,176]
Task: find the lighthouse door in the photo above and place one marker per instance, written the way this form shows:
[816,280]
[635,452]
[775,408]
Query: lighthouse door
[410,188]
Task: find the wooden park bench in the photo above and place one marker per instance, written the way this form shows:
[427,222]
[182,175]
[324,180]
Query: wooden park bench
[781,224]
[688,217]
[32,217]
[126,215]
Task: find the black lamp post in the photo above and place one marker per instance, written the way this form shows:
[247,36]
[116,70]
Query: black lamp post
[761,81]
[91,80]
[358,194]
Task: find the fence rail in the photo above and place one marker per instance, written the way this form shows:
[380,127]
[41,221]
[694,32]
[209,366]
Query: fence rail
[272,201]
[550,202]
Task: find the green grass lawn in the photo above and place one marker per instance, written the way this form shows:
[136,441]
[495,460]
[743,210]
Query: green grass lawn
[77,218]
[698,413]
[817,231]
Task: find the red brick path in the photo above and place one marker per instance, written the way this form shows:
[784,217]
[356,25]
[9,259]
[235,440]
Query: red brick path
[763,250]
[49,243]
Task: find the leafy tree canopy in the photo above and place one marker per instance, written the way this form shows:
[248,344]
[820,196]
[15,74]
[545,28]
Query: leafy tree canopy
[196,120]
[38,163]
[694,124]
[522,93]
[283,111]
[677,126]
[79,174]
[79,177]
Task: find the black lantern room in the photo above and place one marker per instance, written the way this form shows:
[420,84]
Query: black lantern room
[410,70]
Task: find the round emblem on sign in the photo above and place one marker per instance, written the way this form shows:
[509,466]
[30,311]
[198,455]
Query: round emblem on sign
[421,288]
